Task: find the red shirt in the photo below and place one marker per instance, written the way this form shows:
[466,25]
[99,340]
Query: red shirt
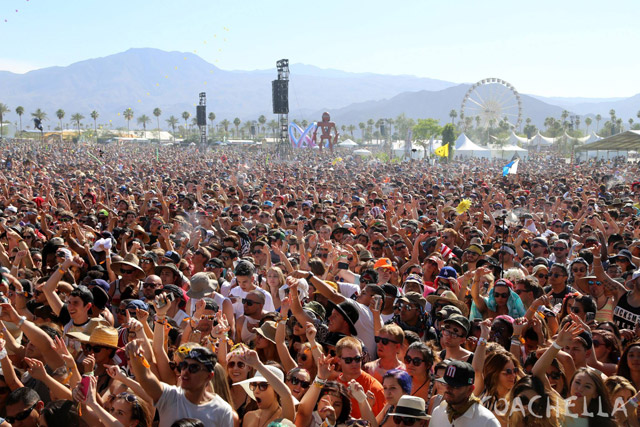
[368,383]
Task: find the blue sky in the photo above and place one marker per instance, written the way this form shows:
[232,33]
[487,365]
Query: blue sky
[551,48]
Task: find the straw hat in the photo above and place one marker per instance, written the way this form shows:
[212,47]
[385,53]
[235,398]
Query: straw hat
[139,233]
[105,336]
[411,406]
[267,331]
[130,260]
[448,298]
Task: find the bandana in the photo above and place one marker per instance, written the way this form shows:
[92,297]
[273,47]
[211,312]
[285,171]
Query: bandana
[453,414]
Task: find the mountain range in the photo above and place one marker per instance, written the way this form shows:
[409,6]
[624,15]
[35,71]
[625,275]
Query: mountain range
[146,78]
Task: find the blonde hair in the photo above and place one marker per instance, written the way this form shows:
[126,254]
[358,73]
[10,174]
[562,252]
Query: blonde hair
[348,342]
[395,331]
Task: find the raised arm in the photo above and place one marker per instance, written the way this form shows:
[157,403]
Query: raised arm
[564,338]
[141,371]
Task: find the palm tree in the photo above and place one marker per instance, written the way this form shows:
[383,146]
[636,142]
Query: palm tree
[3,110]
[20,112]
[477,122]
[157,112]
[39,114]
[225,125]
[273,125]
[351,128]
[630,122]
[60,115]
[143,120]
[598,118]
[172,121]
[361,125]
[453,114]
[128,115]
[94,115]
[185,117]
[262,120]
[236,123]
[211,117]
[77,117]
[588,122]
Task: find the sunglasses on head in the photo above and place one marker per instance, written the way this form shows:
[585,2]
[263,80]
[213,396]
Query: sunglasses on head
[296,381]
[232,365]
[350,360]
[192,367]
[21,415]
[384,341]
[416,361]
[262,386]
[248,302]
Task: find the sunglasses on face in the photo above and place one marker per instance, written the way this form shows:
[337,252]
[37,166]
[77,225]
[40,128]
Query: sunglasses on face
[296,381]
[325,256]
[384,341]
[192,367]
[555,275]
[416,361]
[556,375]
[88,348]
[261,386]
[541,276]
[248,302]
[579,270]
[149,285]
[303,357]
[451,333]
[510,371]
[559,248]
[232,365]
[123,271]
[521,291]
[594,282]
[576,310]
[350,360]
[21,415]
[407,421]
[527,264]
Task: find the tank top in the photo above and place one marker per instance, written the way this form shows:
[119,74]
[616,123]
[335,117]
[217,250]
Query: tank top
[624,314]
[605,314]
[245,334]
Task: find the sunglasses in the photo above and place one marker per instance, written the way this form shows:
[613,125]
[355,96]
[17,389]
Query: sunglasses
[556,375]
[325,256]
[384,341]
[21,415]
[350,360]
[541,276]
[558,248]
[88,348]
[149,285]
[296,381]
[232,365]
[302,357]
[527,264]
[123,271]
[576,310]
[192,367]
[510,371]
[501,295]
[407,421]
[249,303]
[261,386]
[555,275]
[416,361]
[146,261]
[594,282]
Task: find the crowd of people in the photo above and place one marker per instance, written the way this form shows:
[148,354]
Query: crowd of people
[186,286]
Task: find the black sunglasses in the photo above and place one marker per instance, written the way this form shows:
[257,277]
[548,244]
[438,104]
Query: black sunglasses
[350,360]
[21,415]
[261,386]
[296,381]
[384,341]
[88,348]
[415,360]
[192,367]
[407,421]
[232,365]
[249,302]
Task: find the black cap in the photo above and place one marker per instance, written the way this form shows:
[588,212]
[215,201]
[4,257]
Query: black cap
[460,320]
[458,374]
[349,312]
[216,262]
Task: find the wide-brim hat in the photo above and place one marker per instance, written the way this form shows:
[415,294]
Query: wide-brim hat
[349,312]
[105,336]
[411,406]
[258,378]
[267,331]
[141,234]
[170,266]
[200,285]
[130,260]
[448,298]
[342,230]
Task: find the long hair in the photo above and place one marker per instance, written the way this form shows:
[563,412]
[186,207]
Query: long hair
[600,403]
[220,384]
[493,366]
[336,387]
[534,414]
[612,343]
[623,365]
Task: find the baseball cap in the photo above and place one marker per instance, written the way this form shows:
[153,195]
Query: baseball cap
[448,272]
[458,374]
[459,320]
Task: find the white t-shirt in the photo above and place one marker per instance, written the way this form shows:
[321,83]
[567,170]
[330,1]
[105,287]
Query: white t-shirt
[238,294]
[173,406]
[364,325]
[476,416]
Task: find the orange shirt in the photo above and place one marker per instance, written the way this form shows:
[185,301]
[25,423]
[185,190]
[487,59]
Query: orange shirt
[368,383]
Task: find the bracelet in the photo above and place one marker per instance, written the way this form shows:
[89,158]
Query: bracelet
[556,345]
[634,401]
[61,271]
[315,347]
[482,341]
[21,321]
[516,342]
[319,383]
[310,276]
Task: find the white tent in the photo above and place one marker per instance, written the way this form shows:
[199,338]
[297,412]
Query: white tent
[467,148]
[508,151]
[347,143]
[515,139]
[362,153]
[580,139]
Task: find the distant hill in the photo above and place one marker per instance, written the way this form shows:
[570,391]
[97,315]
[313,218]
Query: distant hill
[147,78]
[436,104]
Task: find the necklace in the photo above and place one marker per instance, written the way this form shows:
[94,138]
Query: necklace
[261,424]
[425,381]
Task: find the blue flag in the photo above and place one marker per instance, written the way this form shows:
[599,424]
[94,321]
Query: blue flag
[511,167]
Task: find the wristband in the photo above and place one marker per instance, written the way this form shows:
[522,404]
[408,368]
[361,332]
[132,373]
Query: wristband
[319,383]
[309,276]
[21,321]
[634,401]
[61,271]
[556,345]
[482,341]
[3,355]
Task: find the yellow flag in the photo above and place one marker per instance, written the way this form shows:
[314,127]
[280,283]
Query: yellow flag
[442,151]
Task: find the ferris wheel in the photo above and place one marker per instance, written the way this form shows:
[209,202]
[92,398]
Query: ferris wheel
[491,101]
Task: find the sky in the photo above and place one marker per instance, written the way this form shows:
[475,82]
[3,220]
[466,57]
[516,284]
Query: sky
[563,48]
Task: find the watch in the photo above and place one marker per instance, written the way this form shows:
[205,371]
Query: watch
[309,276]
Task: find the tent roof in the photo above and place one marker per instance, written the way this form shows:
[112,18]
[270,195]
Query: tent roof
[465,144]
[514,139]
[347,143]
[629,140]
[510,148]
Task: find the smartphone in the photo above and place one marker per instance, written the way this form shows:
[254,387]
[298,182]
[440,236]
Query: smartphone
[343,266]
[590,317]
[84,385]
[377,302]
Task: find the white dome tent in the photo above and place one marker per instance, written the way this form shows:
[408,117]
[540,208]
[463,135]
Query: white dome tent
[467,148]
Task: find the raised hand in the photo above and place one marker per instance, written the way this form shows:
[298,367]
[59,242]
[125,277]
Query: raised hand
[250,357]
[310,331]
[88,364]
[568,332]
